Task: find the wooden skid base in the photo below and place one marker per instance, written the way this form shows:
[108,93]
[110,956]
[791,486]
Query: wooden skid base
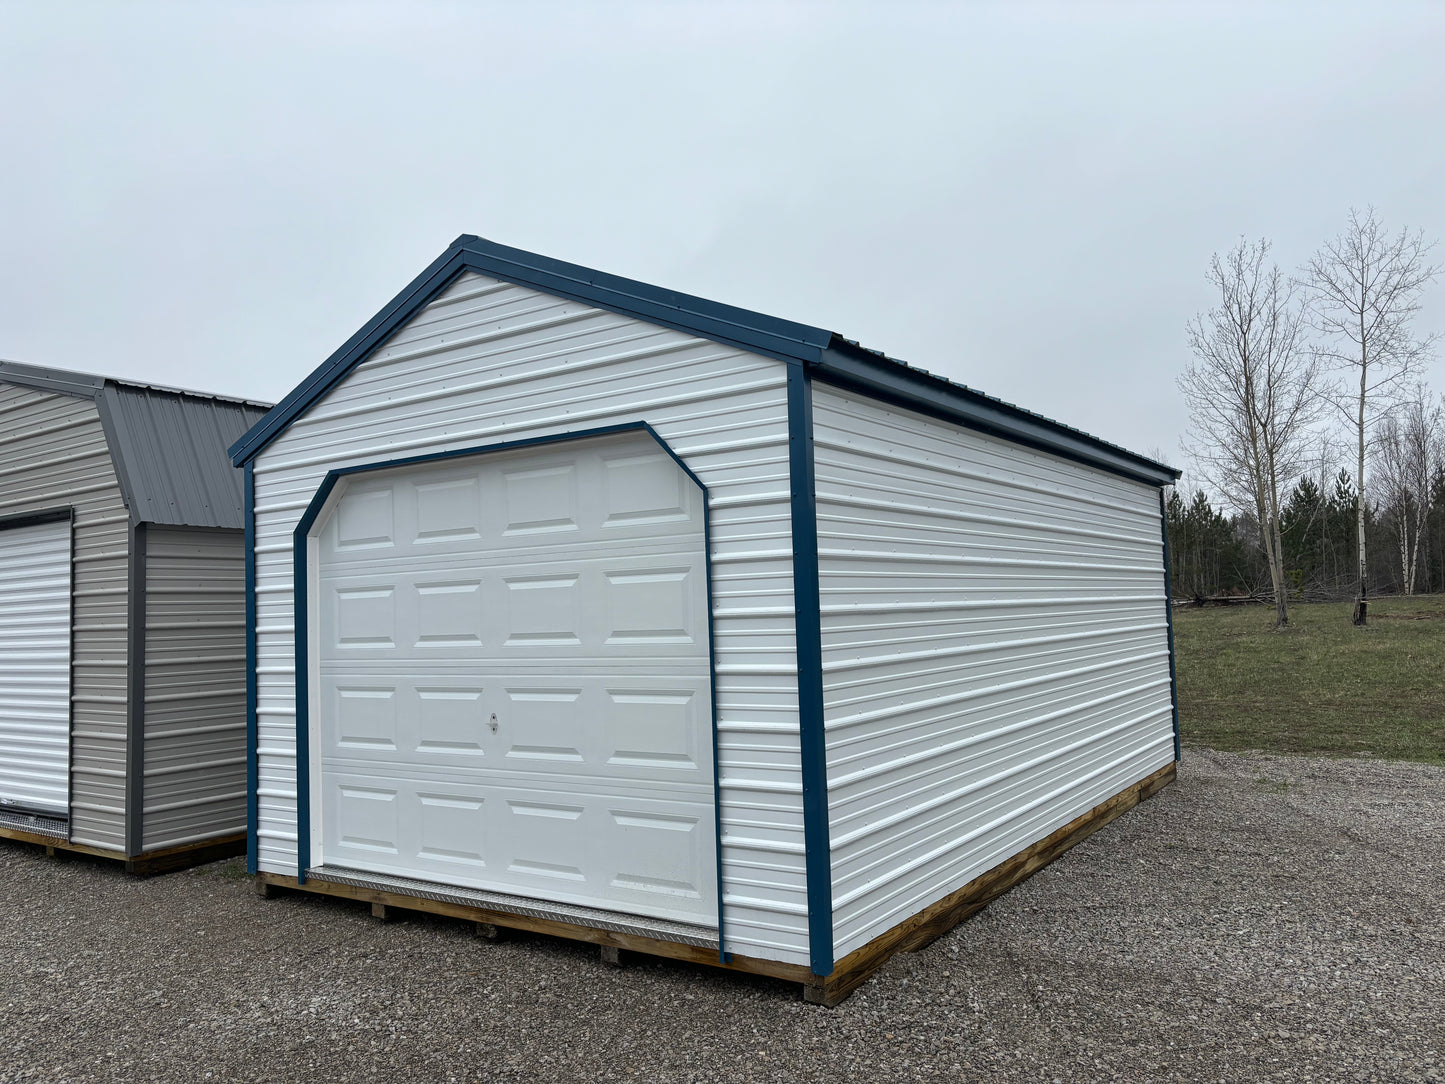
[937,919]
[491,923]
[143,865]
[849,973]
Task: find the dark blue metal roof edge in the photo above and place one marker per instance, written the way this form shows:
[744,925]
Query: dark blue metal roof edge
[352,352]
[833,358]
[711,319]
[754,331]
[878,376]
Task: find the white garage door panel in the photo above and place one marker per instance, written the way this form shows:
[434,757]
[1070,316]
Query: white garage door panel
[541,842]
[652,726]
[35,577]
[515,684]
[455,608]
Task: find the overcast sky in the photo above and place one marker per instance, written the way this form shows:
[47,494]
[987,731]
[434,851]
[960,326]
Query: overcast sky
[1021,198]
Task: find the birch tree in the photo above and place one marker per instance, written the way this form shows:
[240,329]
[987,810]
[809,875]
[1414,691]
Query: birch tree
[1251,393]
[1408,452]
[1364,290]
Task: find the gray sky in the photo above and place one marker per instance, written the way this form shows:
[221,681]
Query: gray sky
[1023,199]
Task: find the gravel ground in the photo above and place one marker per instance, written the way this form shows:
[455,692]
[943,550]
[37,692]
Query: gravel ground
[1265,918]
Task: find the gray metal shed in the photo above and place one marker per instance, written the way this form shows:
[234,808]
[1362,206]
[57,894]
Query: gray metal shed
[122,618]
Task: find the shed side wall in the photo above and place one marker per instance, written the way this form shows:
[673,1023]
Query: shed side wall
[53,454]
[195,685]
[995,651]
[488,362]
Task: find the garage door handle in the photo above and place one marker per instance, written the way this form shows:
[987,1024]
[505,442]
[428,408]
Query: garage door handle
[494,722]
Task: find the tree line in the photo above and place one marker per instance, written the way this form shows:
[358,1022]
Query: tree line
[1322,450]
[1214,553]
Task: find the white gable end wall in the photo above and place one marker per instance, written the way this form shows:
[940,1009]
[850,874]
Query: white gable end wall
[995,651]
[488,362]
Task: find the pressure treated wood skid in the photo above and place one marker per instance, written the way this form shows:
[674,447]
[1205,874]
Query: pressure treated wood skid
[851,972]
[143,865]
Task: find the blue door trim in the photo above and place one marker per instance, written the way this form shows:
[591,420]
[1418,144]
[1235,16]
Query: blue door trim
[300,537]
[809,639]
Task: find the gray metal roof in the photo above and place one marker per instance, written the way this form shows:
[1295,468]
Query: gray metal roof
[169,445]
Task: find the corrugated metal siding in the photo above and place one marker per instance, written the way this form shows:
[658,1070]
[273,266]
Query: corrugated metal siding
[195,685]
[995,651]
[170,450]
[53,453]
[35,569]
[488,361]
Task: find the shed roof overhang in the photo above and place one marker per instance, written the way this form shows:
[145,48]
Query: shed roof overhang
[827,356]
[167,444]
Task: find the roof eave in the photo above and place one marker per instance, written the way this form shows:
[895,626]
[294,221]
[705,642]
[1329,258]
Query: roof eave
[753,331]
[850,366]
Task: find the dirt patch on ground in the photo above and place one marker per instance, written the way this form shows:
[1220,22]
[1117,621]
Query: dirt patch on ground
[1265,918]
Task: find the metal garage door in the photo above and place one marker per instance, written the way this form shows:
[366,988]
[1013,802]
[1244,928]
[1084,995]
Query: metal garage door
[35,668]
[514,685]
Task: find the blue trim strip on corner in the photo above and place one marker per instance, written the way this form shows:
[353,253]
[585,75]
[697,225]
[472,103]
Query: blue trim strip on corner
[1169,620]
[809,634]
[300,588]
[253,771]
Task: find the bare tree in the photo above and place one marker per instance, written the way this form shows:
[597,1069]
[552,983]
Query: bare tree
[1364,289]
[1251,393]
[1408,450]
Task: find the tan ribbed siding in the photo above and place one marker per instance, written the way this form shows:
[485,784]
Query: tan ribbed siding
[53,454]
[195,685]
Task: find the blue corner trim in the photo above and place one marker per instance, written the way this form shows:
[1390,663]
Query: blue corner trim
[754,331]
[253,780]
[1169,620]
[300,547]
[809,633]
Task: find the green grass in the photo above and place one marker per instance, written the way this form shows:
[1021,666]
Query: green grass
[1321,686]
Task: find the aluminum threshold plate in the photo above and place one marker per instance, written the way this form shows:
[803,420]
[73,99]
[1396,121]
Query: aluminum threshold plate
[41,824]
[660,929]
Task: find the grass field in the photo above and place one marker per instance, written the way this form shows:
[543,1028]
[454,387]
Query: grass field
[1320,686]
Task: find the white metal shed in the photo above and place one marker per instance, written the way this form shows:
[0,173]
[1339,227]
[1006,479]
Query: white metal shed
[122,661]
[588,607]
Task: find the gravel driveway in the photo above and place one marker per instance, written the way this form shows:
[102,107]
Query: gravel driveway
[1265,918]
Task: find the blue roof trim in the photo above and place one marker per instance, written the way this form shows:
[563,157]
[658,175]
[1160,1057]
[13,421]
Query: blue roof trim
[755,331]
[401,308]
[832,358]
[848,365]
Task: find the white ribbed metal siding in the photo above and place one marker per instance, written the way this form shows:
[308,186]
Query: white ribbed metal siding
[995,651]
[489,361]
[35,667]
[195,685]
[53,454]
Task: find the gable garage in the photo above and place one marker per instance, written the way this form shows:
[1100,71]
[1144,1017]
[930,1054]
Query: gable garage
[594,608]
